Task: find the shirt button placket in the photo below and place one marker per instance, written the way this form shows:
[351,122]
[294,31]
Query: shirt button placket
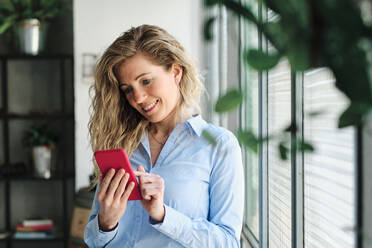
[136,228]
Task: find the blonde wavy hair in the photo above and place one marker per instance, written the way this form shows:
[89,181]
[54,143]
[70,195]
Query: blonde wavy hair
[116,124]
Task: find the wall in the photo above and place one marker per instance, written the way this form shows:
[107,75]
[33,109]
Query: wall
[96,25]
[367,189]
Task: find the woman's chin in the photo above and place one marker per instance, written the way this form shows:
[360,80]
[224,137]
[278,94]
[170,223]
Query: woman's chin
[154,119]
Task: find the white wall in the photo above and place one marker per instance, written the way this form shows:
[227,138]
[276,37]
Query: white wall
[97,23]
[367,189]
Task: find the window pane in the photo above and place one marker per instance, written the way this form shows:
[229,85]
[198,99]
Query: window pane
[329,171]
[250,121]
[279,117]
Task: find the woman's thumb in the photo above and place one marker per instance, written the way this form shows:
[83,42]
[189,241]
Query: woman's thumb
[140,168]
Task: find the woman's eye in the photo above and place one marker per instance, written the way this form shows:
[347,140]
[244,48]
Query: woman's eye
[146,81]
[127,90]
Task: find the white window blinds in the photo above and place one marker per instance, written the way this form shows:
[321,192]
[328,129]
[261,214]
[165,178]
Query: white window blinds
[279,116]
[329,171]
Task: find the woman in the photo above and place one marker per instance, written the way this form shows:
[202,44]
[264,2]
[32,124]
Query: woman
[146,89]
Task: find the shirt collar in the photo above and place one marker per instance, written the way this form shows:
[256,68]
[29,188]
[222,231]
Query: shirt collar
[197,124]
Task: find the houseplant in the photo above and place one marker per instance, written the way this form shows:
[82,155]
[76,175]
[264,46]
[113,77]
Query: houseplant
[30,19]
[42,142]
[309,34]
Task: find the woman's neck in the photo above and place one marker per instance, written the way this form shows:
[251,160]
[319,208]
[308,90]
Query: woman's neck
[166,126]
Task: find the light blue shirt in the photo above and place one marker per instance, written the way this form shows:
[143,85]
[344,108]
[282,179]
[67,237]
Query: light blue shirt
[203,195]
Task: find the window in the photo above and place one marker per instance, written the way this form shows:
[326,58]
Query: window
[329,172]
[309,199]
[279,171]
[249,118]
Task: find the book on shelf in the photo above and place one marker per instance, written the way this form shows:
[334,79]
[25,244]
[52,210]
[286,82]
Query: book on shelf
[34,229]
[33,235]
[21,227]
[4,235]
[37,222]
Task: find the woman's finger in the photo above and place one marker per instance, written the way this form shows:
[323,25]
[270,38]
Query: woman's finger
[115,183]
[151,188]
[154,184]
[105,183]
[121,188]
[150,192]
[149,178]
[139,173]
[127,191]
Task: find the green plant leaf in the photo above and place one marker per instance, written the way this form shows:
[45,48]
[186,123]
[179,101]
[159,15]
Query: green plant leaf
[260,60]
[315,113]
[21,9]
[298,55]
[208,29]
[274,5]
[273,32]
[241,10]
[248,139]
[304,146]
[209,137]
[38,135]
[351,66]
[291,10]
[353,115]
[210,3]
[283,150]
[232,99]
[6,9]
[291,128]
[7,24]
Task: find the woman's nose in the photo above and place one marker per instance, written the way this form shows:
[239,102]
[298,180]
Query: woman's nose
[139,96]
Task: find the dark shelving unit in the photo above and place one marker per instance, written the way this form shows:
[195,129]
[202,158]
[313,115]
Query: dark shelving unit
[36,89]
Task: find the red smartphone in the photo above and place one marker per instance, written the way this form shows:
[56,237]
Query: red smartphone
[117,159]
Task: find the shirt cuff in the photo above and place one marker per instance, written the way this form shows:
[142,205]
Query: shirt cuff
[174,223]
[101,235]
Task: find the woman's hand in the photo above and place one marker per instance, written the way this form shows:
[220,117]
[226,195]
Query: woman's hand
[113,197]
[152,191]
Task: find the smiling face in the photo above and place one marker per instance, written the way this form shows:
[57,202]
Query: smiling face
[150,89]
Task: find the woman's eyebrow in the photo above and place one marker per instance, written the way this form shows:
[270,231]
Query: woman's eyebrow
[140,75]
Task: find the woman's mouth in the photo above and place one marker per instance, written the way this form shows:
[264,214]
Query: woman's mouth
[150,107]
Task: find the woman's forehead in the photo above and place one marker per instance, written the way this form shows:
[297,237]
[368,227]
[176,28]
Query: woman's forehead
[135,67]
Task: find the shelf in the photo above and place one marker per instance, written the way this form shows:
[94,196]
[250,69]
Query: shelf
[34,178]
[36,116]
[47,95]
[55,237]
[35,57]
[4,236]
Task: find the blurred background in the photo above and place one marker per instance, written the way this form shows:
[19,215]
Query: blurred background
[317,199]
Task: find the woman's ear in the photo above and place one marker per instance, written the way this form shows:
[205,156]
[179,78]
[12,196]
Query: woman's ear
[177,71]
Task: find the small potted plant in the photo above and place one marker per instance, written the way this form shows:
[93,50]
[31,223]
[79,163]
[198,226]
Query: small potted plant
[29,18]
[42,142]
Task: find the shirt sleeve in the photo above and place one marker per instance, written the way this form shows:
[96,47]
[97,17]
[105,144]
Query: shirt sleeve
[226,204]
[94,237]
